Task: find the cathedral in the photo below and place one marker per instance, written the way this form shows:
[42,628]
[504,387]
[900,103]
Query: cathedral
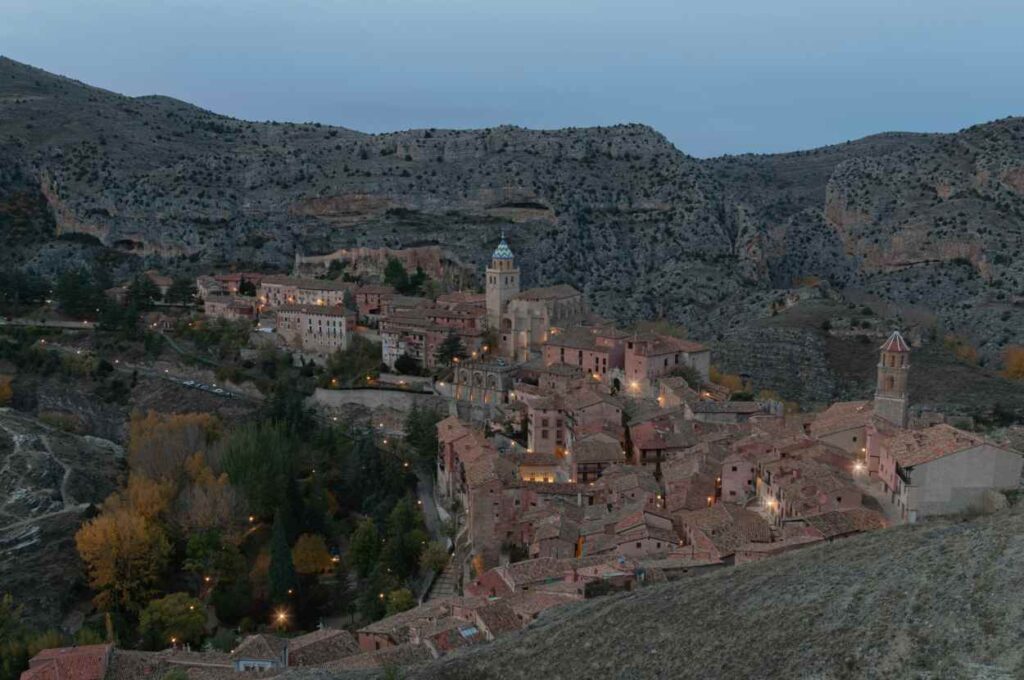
[525,319]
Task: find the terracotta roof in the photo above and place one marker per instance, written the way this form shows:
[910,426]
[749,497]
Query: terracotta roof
[558,292]
[399,655]
[531,603]
[321,646]
[314,310]
[598,448]
[728,407]
[841,416]
[397,625]
[895,343]
[727,526]
[913,447]
[844,522]
[498,618]
[560,369]
[652,344]
[88,662]
[262,647]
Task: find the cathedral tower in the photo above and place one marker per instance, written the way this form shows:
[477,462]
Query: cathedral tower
[502,282]
[893,371]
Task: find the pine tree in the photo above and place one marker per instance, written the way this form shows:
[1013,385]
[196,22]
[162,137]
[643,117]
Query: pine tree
[282,570]
[451,348]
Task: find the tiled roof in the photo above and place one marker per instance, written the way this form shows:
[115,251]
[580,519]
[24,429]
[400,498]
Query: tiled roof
[263,647]
[598,448]
[88,662]
[895,343]
[502,252]
[651,344]
[498,618]
[314,310]
[727,526]
[843,522]
[399,655]
[727,407]
[558,292]
[321,646]
[841,416]
[913,447]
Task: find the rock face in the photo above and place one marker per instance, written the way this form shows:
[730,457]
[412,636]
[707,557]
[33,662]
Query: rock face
[48,481]
[927,224]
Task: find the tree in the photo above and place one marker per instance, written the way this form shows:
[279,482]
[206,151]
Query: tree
[282,570]
[421,432]
[174,619]
[125,556]
[406,365]
[434,557]
[396,276]
[399,601]
[364,548]
[258,458]
[1013,362]
[246,287]
[142,293]
[79,295]
[688,373]
[342,597]
[160,444]
[182,291]
[310,555]
[416,282]
[6,391]
[405,539]
[451,349]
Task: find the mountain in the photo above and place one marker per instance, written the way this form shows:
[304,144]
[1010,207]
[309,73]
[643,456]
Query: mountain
[933,600]
[924,229]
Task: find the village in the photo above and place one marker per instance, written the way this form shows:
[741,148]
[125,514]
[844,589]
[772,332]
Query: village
[577,459]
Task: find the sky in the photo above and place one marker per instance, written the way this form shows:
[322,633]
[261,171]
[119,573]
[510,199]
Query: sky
[714,76]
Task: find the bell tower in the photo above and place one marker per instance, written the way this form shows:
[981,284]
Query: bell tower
[893,371]
[502,282]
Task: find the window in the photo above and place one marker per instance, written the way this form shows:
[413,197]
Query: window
[734,468]
[638,544]
[732,493]
[543,434]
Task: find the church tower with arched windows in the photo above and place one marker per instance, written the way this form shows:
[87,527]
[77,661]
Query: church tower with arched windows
[502,283]
[893,371]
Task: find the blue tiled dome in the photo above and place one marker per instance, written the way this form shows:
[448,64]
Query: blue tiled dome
[502,252]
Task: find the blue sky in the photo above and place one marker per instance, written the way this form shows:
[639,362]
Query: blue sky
[716,76]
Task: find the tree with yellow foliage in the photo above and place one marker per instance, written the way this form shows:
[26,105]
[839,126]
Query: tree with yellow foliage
[310,555]
[159,444]
[730,381]
[6,391]
[1013,362]
[125,556]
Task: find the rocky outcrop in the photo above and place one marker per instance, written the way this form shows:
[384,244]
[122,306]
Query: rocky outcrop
[643,229]
[49,480]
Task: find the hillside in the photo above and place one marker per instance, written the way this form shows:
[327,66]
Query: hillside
[924,226]
[49,480]
[934,600]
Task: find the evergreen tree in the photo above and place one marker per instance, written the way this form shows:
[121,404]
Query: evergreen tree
[396,276]
[364,548]
[282,571]
[182,291]
[451,348]
[247,288]
[342,595]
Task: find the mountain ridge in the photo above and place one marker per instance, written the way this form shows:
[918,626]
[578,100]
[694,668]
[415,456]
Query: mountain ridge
[920,225]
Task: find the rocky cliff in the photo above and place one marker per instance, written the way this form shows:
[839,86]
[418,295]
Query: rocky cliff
[929,225]
[49,480]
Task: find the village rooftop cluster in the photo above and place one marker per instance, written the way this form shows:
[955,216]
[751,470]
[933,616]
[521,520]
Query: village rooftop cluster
[578,458]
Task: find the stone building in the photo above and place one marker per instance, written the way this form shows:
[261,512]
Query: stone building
[942,470]
[524,319]
[276,291]
[481,386]
[650,356]
[893,372]
[502,282]
[313,328]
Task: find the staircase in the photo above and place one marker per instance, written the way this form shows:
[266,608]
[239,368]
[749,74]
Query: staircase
[446,584]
